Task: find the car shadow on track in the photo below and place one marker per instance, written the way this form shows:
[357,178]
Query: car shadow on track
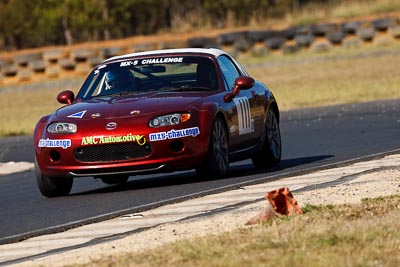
[236,173]
[249,169]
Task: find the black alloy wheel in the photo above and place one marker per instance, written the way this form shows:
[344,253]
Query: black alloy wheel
[271,153]
[217,161]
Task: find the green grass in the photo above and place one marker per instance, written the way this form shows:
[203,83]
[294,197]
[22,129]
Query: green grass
[345,235]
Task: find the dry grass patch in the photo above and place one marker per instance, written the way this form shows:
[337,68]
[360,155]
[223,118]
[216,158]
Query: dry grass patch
[337,80]
[21,108]
[351,9]
[344,235]
[315,12]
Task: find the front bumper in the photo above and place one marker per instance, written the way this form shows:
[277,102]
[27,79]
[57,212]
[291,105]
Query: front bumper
[119,154]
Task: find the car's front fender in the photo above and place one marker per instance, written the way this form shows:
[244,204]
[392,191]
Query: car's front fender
[38,131]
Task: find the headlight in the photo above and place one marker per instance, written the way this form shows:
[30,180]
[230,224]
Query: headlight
[62,128]
[170,119]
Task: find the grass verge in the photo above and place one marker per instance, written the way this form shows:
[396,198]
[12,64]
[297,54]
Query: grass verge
[337,77]
[321,11]
[344,235]
[22,106]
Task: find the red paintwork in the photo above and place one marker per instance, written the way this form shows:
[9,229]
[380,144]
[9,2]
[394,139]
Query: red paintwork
[243,83]
[66,97]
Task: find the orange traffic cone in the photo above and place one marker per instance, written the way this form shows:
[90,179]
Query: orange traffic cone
[283,202]
[280,202]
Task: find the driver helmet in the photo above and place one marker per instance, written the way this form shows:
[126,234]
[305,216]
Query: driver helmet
[121,79]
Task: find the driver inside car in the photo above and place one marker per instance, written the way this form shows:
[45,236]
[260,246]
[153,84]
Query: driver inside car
[118,81]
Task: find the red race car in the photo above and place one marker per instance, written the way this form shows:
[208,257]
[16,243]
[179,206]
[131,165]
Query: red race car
[157,111]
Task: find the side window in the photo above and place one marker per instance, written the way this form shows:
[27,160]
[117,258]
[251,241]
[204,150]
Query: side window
[229,72]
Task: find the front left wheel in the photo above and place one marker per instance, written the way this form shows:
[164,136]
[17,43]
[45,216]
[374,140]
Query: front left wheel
[271,152]
[52,186]
[216,164]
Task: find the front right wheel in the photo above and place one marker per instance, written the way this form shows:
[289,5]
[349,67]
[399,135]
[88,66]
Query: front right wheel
[271,152]
[52,186]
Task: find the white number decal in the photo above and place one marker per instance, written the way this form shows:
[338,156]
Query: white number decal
[246,123]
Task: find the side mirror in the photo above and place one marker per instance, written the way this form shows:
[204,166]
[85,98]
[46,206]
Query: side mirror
[229,97]
[66,97]
[241,83]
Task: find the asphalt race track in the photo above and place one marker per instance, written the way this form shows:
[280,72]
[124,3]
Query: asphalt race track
[312,139]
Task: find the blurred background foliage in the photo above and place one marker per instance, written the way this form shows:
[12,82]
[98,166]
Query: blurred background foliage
[36,23]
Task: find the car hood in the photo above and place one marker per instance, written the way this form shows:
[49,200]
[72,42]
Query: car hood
[126,106]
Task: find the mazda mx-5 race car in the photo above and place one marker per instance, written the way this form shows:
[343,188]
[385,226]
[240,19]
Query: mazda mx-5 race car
[157,111]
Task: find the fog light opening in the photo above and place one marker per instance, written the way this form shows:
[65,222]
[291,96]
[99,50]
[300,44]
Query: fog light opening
[176,146]
[55,156]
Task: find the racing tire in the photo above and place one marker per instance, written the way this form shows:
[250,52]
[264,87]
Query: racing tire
[351,26]
[271,152]
[259,35]
[52,186]
[229,38]
[216,164]
[382,24]
[366,34]
[115,179]
[303,40]
[274,43]
[335,37]
[197,42]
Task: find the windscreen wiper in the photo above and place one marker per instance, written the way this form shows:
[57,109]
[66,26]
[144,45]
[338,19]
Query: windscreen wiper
[192,88]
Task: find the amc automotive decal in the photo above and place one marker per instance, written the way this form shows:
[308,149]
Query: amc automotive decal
[94,140]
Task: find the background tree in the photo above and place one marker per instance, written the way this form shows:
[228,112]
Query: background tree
[34,23]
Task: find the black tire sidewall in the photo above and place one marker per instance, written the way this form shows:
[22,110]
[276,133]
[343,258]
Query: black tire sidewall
[211,168]
[266,158]
[51,186]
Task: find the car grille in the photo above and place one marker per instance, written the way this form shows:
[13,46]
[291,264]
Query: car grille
[112,152]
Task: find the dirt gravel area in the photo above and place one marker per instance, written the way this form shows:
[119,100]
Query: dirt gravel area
[12,167]
[350,190]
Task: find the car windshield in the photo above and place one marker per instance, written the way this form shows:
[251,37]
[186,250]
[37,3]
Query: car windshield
[156,73]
